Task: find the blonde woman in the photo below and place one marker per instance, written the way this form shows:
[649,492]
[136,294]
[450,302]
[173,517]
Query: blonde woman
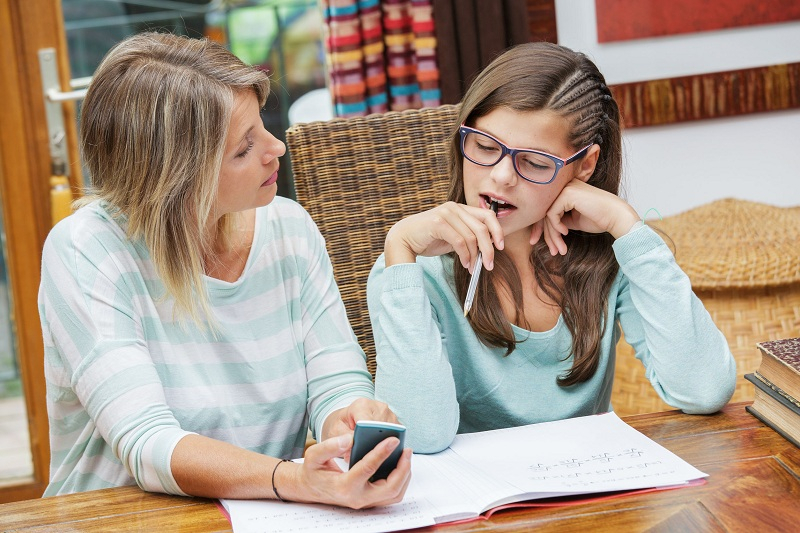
[193,329]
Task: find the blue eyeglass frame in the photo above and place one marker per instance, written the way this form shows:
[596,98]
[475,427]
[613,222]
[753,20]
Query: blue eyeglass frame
[559,162]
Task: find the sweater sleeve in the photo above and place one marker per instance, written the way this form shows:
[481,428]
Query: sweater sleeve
[413,375]
[686,357]
[336,366]
[97,357]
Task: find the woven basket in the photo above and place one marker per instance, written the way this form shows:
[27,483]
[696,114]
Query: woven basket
[743,259]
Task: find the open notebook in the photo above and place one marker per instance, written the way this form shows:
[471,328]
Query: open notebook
[482,471]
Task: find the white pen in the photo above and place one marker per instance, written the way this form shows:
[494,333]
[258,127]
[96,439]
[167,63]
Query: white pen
[476,274]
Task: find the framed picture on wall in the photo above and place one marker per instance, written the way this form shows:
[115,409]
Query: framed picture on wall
[623,20]
[682,32]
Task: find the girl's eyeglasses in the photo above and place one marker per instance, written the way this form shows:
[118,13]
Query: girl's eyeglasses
[537,167]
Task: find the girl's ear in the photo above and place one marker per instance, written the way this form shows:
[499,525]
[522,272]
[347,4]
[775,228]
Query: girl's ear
[587,163]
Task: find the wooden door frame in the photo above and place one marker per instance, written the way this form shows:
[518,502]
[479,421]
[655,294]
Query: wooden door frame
[26,26]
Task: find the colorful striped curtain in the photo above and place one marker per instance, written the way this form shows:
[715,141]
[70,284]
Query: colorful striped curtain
[381,55]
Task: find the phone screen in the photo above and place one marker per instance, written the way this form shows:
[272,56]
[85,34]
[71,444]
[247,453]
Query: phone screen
[367,435]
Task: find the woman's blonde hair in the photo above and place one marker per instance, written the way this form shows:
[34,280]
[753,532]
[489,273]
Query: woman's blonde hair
[534,77]
[153,132]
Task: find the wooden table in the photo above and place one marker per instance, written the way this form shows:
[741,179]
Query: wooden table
[754,486]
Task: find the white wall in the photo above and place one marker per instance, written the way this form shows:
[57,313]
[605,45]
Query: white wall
[676,167]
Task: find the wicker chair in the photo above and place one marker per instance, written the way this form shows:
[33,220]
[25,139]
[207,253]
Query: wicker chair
[356,177]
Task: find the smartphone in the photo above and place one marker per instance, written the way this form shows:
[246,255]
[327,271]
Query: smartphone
[367,435]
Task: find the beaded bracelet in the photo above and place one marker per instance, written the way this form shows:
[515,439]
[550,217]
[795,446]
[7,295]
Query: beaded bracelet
[274,489]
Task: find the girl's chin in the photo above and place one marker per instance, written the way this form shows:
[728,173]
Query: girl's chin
[512,235]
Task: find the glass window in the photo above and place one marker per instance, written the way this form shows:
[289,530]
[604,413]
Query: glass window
[284,37]
[15,449]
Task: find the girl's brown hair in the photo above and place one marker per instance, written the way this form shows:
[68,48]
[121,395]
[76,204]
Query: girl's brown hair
[153,133]
[535,77]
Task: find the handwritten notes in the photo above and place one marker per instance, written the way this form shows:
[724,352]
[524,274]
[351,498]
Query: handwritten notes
[598,453]
[270,516]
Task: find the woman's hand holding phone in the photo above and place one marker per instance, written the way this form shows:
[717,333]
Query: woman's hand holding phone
[322,481]
[368,435]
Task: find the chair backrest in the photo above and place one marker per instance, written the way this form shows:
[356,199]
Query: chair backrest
[358,176]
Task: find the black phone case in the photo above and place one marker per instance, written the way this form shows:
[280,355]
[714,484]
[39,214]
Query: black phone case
[366,438]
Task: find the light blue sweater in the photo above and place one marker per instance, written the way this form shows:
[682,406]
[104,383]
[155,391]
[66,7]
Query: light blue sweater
[439,378]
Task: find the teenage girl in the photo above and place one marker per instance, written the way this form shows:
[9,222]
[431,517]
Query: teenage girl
[567,263]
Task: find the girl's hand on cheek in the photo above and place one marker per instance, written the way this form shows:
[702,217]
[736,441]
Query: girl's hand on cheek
[582,207]
[552,238]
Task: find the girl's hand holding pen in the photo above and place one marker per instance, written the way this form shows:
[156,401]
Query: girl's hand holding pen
[449,227]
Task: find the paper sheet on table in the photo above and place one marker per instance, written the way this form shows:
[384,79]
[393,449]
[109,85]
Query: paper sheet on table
[598,453]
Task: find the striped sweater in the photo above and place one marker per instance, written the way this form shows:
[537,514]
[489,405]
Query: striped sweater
[126,380]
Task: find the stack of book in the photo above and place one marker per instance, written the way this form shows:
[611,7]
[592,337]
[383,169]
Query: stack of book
[777,381]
